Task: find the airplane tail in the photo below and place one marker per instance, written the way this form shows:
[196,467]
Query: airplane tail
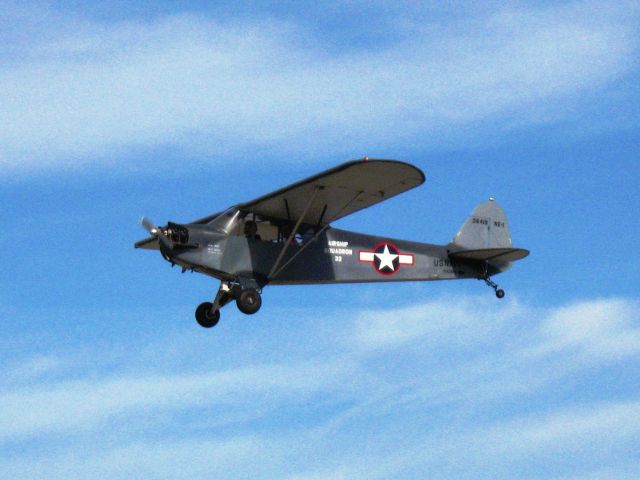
[487,227]
[485,236]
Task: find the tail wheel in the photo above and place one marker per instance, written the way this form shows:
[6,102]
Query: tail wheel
[499,293]
[206,317]
[249,301]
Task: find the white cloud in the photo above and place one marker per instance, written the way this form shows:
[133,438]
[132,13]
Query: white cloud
[32,368]
[579,428]
[455,321]
[78,405]
[576,439]
[554,438]
[454,387]
[622,471]
[606,329]
[192,459]
[81,90]
[494,349]
[472,350]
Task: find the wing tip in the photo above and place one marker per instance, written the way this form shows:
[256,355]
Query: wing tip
[417,169]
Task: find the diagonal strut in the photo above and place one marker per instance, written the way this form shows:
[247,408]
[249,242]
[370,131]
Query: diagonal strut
[317,234]
[293,232]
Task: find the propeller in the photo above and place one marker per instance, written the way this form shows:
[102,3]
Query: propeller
[157,232]
[149,226]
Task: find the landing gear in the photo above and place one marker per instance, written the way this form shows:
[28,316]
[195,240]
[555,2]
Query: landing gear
[206,316]
[249,301]
[492,284]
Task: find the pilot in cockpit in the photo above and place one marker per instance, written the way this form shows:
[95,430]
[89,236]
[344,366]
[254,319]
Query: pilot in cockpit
[251,230]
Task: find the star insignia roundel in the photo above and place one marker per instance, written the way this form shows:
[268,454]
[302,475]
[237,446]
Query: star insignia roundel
[385,258]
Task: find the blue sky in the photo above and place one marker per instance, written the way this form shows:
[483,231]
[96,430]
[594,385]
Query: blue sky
[112,111]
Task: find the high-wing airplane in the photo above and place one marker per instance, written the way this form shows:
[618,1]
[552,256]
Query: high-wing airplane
[286,238]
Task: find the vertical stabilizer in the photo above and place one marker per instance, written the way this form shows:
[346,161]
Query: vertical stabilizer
[487,227]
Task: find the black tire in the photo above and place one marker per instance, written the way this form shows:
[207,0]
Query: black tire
[205,317]
[249,301]
[500,293]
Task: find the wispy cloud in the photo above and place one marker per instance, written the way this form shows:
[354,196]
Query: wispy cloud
[88,403]
[444,391]
[198,458]
[591,432]
[605,329]
[455,321]
[76,91]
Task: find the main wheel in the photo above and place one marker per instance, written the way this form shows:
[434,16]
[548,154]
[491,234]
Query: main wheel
[499,293]
[249,301]
[205,317]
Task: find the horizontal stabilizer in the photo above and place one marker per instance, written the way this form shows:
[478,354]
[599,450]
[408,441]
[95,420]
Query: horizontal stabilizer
[491,254]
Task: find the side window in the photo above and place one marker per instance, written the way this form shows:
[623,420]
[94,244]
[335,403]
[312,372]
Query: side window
[250,230]
[257,228]
[305,236]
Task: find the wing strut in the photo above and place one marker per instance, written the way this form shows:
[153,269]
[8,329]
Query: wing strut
[294,231]
[313,239]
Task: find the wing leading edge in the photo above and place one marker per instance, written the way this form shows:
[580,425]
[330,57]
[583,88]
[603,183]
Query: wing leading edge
[329,195]
[337,192]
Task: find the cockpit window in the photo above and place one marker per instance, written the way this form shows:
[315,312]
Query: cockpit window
[228,222]
[233,222]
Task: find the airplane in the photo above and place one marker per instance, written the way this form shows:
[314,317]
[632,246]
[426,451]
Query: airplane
[286,238]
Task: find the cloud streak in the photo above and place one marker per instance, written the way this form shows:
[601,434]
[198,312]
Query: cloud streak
[298,416]
[88,403]
[83,91]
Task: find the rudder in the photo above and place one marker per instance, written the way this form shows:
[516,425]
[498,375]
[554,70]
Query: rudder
[487,227]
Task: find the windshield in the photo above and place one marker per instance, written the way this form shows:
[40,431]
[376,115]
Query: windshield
[228,222]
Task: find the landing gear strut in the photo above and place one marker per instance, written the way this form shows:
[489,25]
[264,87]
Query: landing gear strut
[491,283]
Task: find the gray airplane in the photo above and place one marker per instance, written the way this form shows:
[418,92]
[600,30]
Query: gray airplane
[286,238]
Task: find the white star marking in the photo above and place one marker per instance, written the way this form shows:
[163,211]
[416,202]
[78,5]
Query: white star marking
[386,258]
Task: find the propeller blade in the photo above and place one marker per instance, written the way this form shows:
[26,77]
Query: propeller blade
[166,246]
[149,226]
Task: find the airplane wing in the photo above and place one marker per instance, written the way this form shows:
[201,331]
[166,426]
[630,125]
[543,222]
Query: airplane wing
[330,195]
[338,192]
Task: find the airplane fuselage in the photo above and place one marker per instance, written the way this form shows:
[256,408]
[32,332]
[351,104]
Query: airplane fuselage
[334,256]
